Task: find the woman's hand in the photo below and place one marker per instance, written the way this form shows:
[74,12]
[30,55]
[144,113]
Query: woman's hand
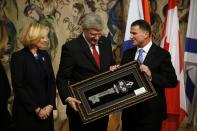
[48,109]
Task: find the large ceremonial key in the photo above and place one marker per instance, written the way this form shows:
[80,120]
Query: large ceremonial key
[122,86]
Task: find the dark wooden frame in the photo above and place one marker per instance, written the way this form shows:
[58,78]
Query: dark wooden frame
[137,88]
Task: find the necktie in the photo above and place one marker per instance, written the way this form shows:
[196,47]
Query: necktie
[140,56]
[96,56]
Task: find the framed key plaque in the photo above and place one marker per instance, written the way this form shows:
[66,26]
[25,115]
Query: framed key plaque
[112,91]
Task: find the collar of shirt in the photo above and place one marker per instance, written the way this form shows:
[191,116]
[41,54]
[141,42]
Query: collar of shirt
[90,46]
[145,48]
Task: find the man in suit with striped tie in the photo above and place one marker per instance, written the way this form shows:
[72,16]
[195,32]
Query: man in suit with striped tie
[156,64]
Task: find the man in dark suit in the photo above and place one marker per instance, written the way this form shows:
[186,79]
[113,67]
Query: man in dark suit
[78,63]
[156,64]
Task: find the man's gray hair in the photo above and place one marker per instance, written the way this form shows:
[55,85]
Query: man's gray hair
[92,20]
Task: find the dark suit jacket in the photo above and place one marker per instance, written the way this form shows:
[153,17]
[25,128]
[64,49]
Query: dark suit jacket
[77,63]
[163,76]
[4,88]
[33,85]
[4,96]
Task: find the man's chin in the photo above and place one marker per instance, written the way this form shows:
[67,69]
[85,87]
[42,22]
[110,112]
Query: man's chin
[134,43]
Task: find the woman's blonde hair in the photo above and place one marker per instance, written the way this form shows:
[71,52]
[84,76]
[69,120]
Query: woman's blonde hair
[32,33]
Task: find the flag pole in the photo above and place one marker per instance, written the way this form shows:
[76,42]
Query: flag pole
[192,113]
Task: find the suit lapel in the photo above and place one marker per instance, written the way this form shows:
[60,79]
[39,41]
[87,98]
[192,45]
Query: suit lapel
[85,49]
[150,56]
[133,53]
[44,63]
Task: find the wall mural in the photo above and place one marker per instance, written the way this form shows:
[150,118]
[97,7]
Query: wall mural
[63,18]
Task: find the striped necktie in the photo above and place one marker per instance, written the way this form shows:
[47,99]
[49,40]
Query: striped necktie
[140,56]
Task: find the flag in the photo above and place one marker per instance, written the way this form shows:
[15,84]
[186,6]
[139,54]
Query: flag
[190,59]
[175,97]
[138,9]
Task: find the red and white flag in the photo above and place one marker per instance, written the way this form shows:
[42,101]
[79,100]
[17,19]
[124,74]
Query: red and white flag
[175,97]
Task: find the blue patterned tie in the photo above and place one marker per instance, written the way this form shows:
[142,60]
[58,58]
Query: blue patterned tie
[140,56]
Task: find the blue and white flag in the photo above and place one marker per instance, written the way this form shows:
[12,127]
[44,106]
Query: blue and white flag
[190,58]
[135,12]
